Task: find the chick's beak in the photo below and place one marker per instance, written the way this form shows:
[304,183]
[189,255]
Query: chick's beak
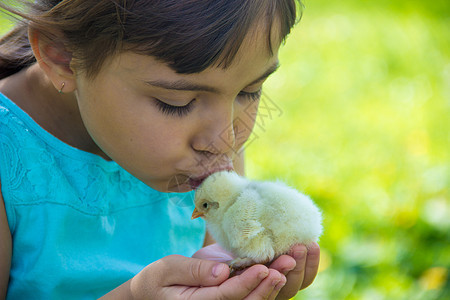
[196,214]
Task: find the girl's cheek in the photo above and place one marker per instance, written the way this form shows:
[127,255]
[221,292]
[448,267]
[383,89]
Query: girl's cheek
[245,123]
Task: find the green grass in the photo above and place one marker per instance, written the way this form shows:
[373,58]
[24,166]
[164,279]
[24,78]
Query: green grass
[365,130]
[358,118]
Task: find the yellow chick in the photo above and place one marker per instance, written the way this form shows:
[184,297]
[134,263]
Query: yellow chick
[256,221]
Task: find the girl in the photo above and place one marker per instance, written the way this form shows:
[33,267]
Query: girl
[111,112]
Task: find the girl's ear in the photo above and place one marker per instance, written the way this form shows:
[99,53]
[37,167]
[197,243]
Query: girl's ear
[54,60]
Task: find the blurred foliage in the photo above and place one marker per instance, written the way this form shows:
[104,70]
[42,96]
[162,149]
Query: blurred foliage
[358,118]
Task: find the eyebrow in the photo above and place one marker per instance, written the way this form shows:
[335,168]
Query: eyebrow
[183,85]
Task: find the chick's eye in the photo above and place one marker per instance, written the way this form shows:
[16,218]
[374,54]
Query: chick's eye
[205,205]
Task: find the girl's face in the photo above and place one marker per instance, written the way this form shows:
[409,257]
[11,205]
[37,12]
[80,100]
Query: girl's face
[171,130]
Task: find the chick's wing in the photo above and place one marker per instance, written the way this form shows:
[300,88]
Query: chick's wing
[241,219]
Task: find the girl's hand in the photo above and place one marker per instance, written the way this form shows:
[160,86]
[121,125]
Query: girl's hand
[304,270]
[179,277]
[300,266]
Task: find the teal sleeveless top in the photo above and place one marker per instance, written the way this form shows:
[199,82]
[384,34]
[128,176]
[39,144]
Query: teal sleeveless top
[81,225]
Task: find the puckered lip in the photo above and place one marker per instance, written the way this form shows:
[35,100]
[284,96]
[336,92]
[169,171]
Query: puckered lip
[196,181]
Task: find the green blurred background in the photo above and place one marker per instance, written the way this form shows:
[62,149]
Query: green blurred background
[363,126]
[358,117]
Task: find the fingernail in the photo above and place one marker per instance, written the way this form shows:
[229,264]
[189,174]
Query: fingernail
[280,285]
[263,275]
[275,282]
[218,269]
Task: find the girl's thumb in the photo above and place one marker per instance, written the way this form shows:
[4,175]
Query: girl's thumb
[181,270]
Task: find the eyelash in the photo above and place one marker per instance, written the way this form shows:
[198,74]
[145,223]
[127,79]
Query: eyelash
[181,111]
[255,96]
[172,110]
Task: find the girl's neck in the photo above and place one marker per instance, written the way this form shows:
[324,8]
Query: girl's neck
[57,113]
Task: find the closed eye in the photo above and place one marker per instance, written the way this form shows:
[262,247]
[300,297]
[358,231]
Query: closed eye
[254,96]
[172,110]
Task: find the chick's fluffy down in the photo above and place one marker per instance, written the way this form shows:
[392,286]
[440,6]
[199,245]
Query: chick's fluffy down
[257,220]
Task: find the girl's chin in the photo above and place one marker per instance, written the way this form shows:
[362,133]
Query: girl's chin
[195,183]
[182,188]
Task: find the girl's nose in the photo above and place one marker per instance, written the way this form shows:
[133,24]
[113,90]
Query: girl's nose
[216,134]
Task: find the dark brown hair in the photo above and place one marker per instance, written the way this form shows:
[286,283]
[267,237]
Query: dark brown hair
[188,35]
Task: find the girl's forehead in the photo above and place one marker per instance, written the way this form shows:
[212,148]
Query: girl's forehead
[255,57]
[261,41]
[249,68]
